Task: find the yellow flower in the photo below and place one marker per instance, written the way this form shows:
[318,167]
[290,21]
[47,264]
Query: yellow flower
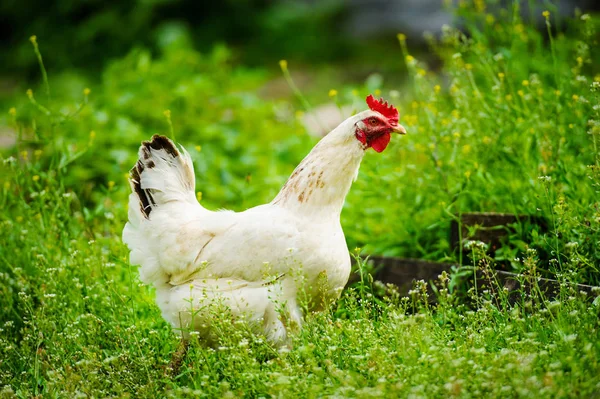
[468,67]
[401,37]
[546,14]
[508,97]
[86,91]
[12,111]
[354,92]
[19,219]
[167,113]
[111,184]
[468,174]
[410,59]
[456,135]
[6,185]
[35,178]
[333,93]
[198,148]
[571,126]
[489,18]
[501,75]
[24,155]
[421,72]
[487,140]
[437,88]
[92,135]
[199,196]
[575,97]
[33,39]
[37,153]
[520,93]
[283,65]
[377,92]
[466,149]
[579,61]
[30,94]
[557,93]
[525,83]
[410,120]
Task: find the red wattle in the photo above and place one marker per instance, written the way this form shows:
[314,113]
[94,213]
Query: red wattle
[360,135]
[381,142]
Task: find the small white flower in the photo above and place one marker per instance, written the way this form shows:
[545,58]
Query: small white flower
[571,245]
[570,338]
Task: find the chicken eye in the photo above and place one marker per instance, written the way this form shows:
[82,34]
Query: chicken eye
[373,121]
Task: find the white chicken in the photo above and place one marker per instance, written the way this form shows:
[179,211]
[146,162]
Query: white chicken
[264,265]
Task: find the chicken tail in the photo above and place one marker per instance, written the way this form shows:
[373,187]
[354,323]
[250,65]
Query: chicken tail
[161,204]
[162,174]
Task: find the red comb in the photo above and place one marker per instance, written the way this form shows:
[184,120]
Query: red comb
[389,111]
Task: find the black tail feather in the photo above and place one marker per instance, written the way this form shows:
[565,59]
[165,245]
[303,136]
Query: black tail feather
[145,195]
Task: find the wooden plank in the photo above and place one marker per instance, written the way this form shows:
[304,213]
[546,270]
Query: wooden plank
[488,227]
[549,287]
[403,273]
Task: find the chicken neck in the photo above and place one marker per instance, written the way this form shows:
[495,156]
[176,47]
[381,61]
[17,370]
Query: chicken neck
[319,184]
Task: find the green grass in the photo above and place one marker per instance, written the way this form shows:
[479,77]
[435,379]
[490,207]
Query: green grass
[510,123]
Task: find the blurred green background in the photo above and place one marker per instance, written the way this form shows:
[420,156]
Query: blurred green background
[491,104]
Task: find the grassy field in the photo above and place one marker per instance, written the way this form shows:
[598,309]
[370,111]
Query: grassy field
[510,122]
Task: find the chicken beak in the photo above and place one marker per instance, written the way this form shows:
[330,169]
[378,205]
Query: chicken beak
[399,129]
